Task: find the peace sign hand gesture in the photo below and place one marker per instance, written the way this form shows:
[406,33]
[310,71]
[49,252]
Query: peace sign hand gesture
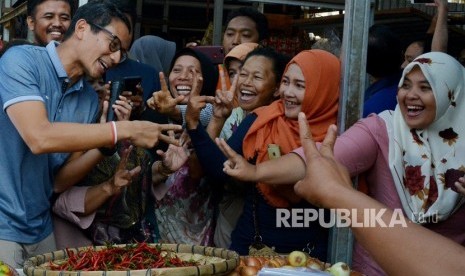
[123,177]
[223,104]
[236,165]
[196,102]
[175,156]
[162,101]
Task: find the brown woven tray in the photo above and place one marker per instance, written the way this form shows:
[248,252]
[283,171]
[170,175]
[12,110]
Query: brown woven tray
[209,259]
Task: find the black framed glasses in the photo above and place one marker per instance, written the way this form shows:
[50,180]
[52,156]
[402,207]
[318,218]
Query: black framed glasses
[115,42]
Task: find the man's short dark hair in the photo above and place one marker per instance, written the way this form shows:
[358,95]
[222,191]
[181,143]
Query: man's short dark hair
[32,6]
[384,56]
[127,7]
[259,18]
[97,12]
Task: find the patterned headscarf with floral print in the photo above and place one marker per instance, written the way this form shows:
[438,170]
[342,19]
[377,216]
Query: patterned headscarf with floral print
[425,163]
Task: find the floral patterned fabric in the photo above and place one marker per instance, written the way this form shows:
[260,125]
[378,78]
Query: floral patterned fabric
[230,125]
[425,163]
[185,213]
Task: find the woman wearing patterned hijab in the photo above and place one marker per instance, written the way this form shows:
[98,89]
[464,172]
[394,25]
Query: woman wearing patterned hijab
[423,150]
[412,157]
[426,131]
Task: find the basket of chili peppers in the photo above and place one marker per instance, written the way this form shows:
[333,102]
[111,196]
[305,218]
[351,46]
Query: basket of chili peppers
[134,260]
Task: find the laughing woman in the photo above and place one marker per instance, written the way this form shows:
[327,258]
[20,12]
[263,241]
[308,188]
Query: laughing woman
[172,101]
[258,80]
[310,84]
[412,157]
[184,205]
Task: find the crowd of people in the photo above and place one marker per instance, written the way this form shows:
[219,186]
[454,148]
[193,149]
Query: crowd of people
[207,154]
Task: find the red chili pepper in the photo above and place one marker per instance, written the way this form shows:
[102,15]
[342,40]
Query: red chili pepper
[132,256]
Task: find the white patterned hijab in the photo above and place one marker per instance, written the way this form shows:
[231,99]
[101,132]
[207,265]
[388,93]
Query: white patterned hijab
[425,163]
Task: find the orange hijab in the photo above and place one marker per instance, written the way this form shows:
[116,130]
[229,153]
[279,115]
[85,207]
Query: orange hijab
[322,74]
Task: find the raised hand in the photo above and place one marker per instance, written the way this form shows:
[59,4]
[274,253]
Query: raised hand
[136,98]
[103,115]
[103,92]
[324,175]
[236,165]
[123,177]
[196,102]
[175,156]
[102,89]
[123,108]
[162,101]
[460,185]
[224,100]
[136,101]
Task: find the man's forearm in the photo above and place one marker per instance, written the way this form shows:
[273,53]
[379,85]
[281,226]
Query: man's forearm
[393,246]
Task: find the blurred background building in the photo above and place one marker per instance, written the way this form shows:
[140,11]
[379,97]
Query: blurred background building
[295,25]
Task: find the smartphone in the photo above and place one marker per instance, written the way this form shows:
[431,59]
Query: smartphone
[130,84]
[421,1]
[116,89]
[215,53]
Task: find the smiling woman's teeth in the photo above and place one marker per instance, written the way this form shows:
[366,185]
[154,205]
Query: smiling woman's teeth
[246,95]
[183,89]
[414,108]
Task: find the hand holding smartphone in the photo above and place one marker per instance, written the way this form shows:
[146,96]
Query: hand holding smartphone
[116,89]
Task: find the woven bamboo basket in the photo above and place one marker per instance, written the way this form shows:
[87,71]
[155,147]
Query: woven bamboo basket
[213,261]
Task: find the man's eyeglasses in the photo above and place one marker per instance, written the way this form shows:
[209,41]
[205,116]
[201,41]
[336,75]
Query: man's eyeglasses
[115,43]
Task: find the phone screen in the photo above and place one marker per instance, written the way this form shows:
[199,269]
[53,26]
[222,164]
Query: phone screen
[130,84]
